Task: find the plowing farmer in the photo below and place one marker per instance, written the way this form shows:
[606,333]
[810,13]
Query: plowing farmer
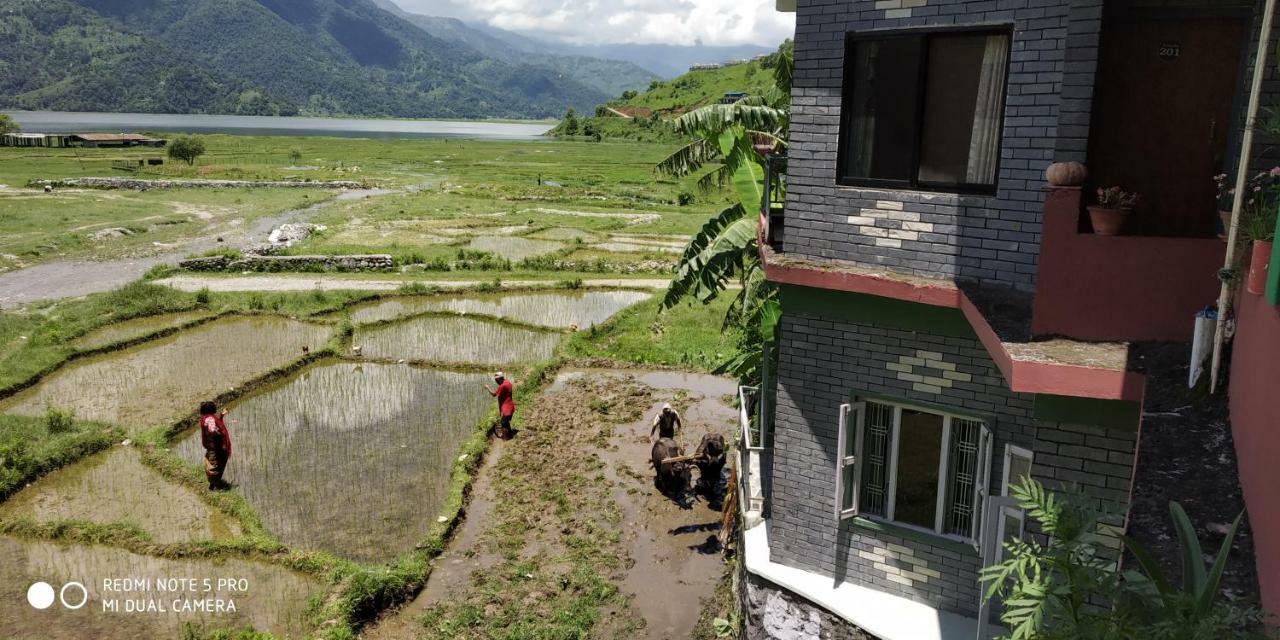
[667,423]
[217,444]
[506,403]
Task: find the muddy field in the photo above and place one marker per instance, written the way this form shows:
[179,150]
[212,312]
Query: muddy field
[566,535]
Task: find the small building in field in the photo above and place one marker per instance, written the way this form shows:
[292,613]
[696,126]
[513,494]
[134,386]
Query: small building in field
[114,140]
[17,139]
[731,97]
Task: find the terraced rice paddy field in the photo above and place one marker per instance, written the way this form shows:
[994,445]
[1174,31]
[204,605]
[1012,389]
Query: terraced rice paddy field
[345,460]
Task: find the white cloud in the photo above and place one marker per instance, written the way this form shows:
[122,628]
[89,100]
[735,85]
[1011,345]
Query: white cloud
[686,22]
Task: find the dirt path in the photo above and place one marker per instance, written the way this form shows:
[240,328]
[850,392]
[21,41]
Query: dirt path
[72,278]
[565,533]
[312,282]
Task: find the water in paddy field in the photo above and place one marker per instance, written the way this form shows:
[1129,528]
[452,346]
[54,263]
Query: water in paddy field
[115,487]
[548,309]
[513,248]
[157,382]
[275,599]
[136,328]
[456,340]
[564,233]
[352,458]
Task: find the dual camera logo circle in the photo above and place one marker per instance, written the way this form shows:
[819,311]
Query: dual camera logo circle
[40,595]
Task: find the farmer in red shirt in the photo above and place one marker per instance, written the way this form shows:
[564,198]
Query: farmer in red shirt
[217,444]
[506,404]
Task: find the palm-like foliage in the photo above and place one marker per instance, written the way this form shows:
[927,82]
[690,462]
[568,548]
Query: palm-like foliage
[725,248]
[1066,590]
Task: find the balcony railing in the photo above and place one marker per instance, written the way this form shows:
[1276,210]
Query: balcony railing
[754,458]
[773,202]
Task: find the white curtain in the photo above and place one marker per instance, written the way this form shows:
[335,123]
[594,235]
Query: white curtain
[985,143]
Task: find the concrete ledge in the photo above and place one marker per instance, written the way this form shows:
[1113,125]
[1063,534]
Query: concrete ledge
[886,616]
[1060,367]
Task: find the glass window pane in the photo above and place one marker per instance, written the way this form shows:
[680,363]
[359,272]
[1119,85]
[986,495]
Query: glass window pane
[919,452]
[881,108]
[964,98]
[846,496]
[875,459]
[963,468]
[1019,468]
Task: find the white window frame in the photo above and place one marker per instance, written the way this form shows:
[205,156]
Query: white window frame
[1011,451]
[852,423]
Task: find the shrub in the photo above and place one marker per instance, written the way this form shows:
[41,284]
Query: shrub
[202,297]
[684,198]
[59,420]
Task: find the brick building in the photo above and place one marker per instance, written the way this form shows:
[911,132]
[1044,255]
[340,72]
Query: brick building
[950,321]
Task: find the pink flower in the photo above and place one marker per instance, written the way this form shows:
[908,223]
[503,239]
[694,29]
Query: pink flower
[1275,171]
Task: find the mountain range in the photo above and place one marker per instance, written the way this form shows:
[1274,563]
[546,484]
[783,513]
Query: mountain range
[267,57]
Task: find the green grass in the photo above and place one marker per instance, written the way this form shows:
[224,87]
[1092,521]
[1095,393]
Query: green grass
[32,446]
[688,336]
[697,88]
[37,227]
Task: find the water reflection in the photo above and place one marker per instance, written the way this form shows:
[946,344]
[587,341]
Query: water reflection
[349,457]
[274,602]
[549,309]
[456,340]
[136,328]
[116,487]
[159,381]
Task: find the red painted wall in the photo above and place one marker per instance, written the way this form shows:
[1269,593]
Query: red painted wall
[1255,424]
[1127,288]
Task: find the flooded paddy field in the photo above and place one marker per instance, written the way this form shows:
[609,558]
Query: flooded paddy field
[159,381]
[275,599]
[136,328]
[513,248]
[352,458]
[116,487]
[548,309]
[456,339]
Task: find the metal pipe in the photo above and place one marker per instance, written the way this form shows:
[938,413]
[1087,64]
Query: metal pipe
[1242,170]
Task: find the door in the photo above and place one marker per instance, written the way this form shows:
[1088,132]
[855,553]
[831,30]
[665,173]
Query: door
[1161,117]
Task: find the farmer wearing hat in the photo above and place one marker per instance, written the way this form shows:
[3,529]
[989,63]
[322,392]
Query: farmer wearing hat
[506,403]
[667,423]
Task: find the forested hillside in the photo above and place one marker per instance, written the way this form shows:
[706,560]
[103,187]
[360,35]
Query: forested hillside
[316,57]
[611,77]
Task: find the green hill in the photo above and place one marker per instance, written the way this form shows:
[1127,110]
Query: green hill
[699,87]
[316,57]
[644,115]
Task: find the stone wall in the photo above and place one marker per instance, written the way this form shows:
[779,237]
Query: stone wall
[992,238]
[773,613]
[373,262]
[824,363]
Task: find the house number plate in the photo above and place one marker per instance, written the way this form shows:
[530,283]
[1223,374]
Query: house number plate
[1170,50]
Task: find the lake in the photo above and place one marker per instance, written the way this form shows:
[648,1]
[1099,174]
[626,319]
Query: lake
[65,122]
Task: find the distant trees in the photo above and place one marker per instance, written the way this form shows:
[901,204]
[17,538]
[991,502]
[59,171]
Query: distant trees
[570,122]
[186,148]
[628,95]
[7,125]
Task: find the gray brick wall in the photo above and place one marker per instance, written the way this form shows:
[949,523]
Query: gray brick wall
[824,363]
[991,238]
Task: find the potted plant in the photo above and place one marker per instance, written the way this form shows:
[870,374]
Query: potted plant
[1260,229]
[1109,215]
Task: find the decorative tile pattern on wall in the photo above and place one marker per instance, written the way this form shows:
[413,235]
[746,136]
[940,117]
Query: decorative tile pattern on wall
[927,371]
[899,8]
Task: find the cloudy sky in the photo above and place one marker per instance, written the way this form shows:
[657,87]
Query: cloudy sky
[687,22]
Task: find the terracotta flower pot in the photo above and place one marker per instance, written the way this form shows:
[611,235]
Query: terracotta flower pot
[1259,262]
[1226,223]
[1107,221]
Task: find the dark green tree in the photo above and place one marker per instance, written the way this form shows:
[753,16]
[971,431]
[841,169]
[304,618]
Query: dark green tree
[7,125]
[186,148]
[570,122]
